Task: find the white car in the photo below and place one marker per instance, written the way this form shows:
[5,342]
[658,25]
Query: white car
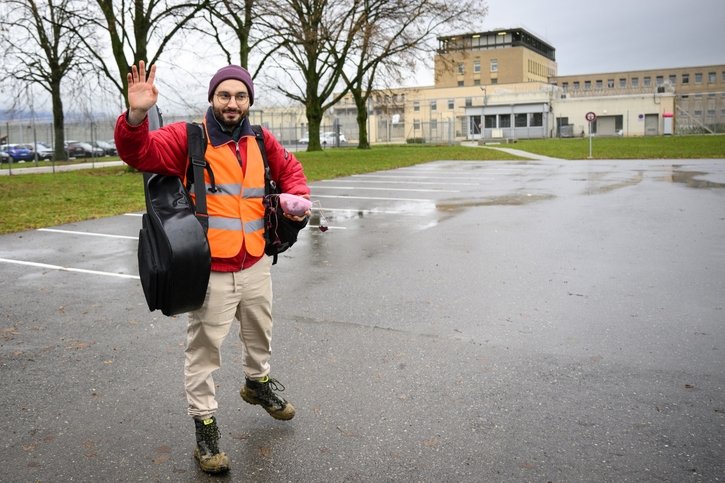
[326,139]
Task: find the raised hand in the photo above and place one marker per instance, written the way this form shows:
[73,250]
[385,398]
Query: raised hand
[142,93]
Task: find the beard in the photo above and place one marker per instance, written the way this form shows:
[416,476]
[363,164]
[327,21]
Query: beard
[230,116]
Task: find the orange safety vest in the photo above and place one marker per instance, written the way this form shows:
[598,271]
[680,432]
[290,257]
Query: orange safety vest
[236,210]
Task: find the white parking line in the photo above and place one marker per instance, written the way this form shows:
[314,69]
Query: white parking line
[68,269]
[417,183]
[85,233]
[422,190]
[440,179]
[373,198]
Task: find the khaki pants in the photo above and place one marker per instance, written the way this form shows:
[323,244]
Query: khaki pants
[245,295]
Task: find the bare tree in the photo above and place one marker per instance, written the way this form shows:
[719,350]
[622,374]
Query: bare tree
[390,35]
[42,47]
[305,31]
[132,26]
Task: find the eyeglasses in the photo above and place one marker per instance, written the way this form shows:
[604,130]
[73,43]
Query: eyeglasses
[225,97]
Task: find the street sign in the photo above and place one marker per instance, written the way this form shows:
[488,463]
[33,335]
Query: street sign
[591,117]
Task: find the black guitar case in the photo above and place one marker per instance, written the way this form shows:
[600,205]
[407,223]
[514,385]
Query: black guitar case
[174,258]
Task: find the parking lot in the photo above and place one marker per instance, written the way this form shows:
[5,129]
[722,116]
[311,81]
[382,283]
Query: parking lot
[539,320]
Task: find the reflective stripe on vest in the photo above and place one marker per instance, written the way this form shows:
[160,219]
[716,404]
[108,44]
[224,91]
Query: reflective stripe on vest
[236,211]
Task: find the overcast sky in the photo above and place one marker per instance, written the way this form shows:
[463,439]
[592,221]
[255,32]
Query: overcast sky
[617,35]
[589,37]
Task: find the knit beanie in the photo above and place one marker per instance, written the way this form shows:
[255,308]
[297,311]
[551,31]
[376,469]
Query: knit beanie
[232,72]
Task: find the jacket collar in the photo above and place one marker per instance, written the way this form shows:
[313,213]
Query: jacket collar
[217,136]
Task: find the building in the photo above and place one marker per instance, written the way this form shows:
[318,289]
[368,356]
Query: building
[502,85]
[699,92]
[494,57]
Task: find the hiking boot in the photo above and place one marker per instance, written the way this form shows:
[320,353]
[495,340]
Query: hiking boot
[262,392]
[207,453]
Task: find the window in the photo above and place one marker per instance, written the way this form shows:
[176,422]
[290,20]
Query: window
[416,106]
[711,113]
[494,81]
[451,104]
[647,81]
[469,102]
[610,83]
[635,81]
[660,80]
[698,77]
[476,82]
[433,105]
[685,78]
[587,85]
[477,66]
[520,120]
[673,79]
[416,124]
[504,120]
[536,119]
[576,85]
[565,86]
[490,121]
[494,65]
[622,83]
[598,83]
[460,83]
[711,77]
[461,68]
[433,124]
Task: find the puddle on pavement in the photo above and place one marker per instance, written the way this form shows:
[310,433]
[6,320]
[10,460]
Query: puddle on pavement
[688,178]
[607,188]
[505,200]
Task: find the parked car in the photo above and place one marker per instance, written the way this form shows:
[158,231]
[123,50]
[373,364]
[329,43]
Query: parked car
[329,137]
[326,139]
[4,157]
[83,150]
[108,148]
[44,152]
[17,153]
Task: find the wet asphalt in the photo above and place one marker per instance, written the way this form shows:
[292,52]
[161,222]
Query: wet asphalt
[539,320]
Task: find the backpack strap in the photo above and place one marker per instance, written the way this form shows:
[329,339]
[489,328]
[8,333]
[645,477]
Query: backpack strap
[196,140]
[270,187]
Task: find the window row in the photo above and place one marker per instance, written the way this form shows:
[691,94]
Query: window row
[622,82]
[525,119]
[492,67]
[450,104]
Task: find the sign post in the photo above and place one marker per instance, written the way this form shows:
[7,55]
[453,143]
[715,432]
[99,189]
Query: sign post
[590,117]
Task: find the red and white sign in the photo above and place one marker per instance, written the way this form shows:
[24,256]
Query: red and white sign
[591,117]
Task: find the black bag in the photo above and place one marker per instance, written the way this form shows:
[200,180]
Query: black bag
[280,233]
[174,257]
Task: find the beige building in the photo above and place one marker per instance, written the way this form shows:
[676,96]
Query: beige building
[503,85]
[495,57]
[699,92]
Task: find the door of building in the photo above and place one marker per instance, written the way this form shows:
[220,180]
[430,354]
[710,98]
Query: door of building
[651,124]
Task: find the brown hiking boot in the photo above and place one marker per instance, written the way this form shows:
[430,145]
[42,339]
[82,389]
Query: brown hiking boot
[207,453]
[262,393]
